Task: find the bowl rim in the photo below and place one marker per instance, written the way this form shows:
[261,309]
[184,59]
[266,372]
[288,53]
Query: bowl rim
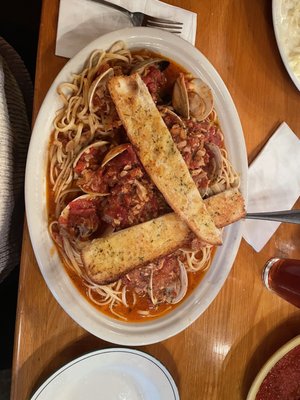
[104,358]
[269,364]
[112,330]
[276,24]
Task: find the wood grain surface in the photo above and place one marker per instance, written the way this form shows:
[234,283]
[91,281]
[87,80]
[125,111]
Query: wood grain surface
[218,356]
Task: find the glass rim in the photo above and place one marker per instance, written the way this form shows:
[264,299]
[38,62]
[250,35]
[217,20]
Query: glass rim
[265,273]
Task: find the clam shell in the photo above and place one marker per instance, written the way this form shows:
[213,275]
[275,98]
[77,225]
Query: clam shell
[140,67]
[114,152]
[66,211]
[165,111]
[192,98]
[184,284]
[217,159]
[85,232]
[86,149]
[201,100]
[99,82]
[180,100]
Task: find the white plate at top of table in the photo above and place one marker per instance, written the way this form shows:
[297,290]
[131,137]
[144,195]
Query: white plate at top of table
[110,374]
[278,12]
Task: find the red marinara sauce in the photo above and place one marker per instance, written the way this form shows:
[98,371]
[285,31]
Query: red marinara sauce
[283,380]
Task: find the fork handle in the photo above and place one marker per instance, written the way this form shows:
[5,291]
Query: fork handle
[115,6]
[291,216]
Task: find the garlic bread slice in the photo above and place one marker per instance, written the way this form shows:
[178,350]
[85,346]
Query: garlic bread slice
[108,258]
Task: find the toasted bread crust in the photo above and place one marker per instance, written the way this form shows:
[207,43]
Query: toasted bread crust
[226,207]
[160,156]
[107,259]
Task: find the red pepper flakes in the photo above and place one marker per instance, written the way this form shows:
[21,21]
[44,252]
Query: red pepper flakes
[283,381]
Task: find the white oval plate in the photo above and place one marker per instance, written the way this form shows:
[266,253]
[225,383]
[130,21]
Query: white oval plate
[110,374]
[277,23]
[35,197]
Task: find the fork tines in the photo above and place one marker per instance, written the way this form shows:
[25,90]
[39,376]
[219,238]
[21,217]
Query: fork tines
[171,26]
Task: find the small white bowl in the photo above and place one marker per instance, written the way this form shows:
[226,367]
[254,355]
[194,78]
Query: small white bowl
[47,257]
[286,348]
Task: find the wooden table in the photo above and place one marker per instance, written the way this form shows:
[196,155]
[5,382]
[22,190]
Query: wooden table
[219,355]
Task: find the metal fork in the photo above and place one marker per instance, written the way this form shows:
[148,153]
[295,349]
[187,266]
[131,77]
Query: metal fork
[291,216]
[141,19]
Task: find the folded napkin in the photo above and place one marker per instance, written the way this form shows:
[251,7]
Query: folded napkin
[274,184]
[81,21]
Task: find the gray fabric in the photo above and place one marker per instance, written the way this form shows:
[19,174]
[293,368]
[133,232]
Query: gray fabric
[5,382]
[14,137]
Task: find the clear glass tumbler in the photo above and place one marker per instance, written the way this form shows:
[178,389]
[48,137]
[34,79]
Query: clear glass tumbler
[282,276]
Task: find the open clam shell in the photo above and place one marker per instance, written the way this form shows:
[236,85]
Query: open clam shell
[180,100]
[91,158]
[184,285]
[99,84]
[175,118]
[141,67]
[216,161]
[192,98]
[83,225]
[200,99]
[87,150]
[114,152]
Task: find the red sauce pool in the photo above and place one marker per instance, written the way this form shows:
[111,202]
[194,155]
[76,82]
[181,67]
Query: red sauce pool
[283,381]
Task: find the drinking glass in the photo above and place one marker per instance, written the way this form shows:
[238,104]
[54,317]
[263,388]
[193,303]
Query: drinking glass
[282,276]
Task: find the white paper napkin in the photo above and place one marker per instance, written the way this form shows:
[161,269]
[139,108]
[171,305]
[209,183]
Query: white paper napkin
[81,21]
[273,182]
